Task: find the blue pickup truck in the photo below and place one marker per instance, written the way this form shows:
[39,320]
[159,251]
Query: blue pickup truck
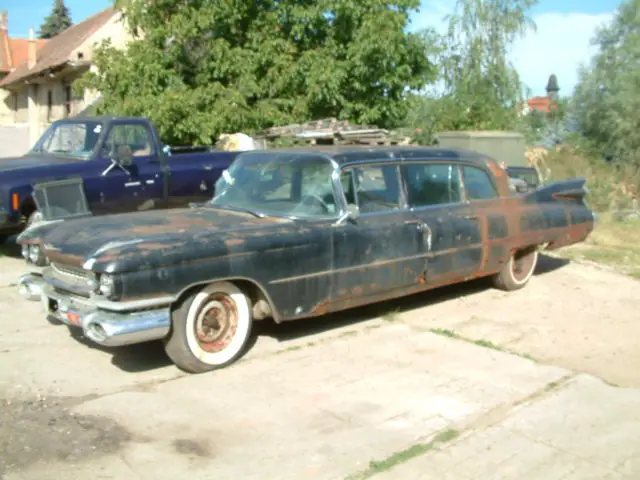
[103,165]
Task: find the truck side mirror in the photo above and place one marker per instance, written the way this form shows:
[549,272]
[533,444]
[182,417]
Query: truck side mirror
[123,155]
[120,157]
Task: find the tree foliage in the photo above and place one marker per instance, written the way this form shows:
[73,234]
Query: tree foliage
[479,88]
[202,67]
[57,22]
[607,98]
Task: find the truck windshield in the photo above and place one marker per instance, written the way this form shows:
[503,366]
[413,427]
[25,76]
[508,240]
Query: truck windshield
[70,138]
[278,184]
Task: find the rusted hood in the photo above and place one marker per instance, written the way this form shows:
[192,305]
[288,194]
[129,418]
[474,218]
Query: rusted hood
[121,242]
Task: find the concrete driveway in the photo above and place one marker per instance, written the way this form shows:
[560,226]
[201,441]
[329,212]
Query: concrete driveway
[424,387]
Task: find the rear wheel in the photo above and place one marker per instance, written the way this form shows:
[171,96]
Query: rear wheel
[517,272]
[210,328]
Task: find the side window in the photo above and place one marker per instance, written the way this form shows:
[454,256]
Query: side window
[372,188]
[432,184]
[477,184]
[135,136]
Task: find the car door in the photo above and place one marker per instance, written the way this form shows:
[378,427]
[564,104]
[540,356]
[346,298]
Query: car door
[382,249]
[481,227]
[434,192]
[135,185]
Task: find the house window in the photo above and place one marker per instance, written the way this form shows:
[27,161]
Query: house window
[68,98]
[49,105]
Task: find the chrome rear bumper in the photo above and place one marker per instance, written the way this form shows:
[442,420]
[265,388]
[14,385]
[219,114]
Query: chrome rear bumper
[110,329]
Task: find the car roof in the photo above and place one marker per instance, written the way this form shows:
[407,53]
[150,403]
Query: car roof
[343,154]
[102,119]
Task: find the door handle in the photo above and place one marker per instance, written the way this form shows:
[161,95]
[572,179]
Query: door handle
[424,228]
[471,217]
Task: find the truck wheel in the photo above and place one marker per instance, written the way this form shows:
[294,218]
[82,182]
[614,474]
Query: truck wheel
[518,270]
[209,328]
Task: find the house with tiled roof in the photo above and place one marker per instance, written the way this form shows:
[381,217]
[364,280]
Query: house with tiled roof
[38,83]
[543,104]
[13,52]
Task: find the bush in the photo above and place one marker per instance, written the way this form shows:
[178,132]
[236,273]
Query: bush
[612,187]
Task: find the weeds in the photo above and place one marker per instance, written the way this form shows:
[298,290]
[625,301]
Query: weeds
[481,342]
[405,455]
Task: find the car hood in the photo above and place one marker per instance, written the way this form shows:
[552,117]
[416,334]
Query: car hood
[120,242]
[29,161]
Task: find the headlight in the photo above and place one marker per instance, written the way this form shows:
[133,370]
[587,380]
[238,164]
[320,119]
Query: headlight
[106,285]
[25,251]
[35,255]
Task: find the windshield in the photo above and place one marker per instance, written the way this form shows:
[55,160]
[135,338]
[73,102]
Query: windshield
[278,184]
[76,139]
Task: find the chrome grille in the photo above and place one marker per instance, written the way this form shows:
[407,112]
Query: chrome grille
[63,271]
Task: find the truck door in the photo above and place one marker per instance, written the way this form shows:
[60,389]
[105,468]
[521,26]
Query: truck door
[129,186]
[194,175]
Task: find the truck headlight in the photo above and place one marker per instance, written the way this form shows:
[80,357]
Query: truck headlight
[106,285]
[25,251]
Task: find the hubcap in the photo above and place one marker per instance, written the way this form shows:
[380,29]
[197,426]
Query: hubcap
[216,323]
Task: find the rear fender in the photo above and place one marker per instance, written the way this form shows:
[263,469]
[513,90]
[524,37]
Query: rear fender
[571,191]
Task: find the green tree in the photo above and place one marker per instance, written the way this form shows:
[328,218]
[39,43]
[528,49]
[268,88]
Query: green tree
[57,22]
[209,66]
[480,87]
[606,101]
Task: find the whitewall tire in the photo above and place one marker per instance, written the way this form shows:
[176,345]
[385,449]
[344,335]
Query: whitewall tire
[210,328]
[517,272]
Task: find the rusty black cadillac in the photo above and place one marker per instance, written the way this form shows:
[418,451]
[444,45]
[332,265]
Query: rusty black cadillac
[298,233]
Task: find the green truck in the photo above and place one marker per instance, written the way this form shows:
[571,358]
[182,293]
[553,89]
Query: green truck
[507,148]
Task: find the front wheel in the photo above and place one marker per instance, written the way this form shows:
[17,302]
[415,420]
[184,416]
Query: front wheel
[518,270]
[210,328]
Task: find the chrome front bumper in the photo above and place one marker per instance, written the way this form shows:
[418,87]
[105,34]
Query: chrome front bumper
[30,284]
[111,329]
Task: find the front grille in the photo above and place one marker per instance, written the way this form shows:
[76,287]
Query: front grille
[69,272]
[68,280]
[60,199]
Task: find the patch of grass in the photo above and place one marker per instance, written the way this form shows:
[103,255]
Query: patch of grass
[613,243]
[379,466]
[480,342]
[348,333]
[392,316]
[444,333]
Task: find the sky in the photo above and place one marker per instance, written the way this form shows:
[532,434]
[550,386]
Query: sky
[559,45]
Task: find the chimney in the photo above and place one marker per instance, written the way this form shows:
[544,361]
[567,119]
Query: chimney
[4,22]
[32,53]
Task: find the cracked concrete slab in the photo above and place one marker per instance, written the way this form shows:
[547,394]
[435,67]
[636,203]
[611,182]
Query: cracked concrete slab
[585,429]
[319,412]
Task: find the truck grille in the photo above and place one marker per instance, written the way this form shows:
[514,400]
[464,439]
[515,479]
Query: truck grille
[60,199]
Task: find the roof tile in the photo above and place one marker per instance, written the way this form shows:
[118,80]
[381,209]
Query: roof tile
[57,50]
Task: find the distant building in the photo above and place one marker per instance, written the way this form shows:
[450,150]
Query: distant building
[13,52]
[37,85]
[543,104]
